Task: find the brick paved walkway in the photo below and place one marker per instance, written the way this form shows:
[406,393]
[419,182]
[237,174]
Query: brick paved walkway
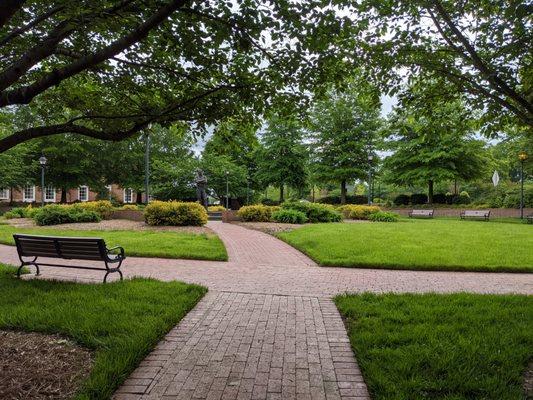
[268,328]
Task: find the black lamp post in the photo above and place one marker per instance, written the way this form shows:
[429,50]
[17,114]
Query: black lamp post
[42,161]
[227,190]
[370,158]
[522,156]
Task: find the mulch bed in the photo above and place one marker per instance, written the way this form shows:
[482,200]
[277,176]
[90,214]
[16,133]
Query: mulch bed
[37,366]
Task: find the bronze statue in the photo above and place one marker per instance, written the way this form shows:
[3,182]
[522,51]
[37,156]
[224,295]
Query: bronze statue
[201,186]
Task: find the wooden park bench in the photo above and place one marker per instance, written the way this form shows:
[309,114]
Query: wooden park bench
[421,213]
[476,214]
[67,248]
[529,219]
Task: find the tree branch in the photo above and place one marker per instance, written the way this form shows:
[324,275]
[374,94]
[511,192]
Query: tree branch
[25,94]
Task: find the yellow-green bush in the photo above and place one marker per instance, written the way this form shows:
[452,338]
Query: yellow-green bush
[130,207]
[353,211]
[104,208]
[257,213]
[175,213]
[216,208]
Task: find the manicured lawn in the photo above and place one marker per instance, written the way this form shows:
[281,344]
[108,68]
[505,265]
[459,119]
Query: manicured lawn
[120,321]
[140,243]
[460,346]
[419,244]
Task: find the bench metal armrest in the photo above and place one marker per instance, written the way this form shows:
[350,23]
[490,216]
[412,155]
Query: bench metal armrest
[121,254]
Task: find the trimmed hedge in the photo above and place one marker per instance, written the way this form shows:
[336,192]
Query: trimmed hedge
[289,216]
[419,198]
[216,208]
[21,212]
[104,208]
[358,212]
[63,214]
[402,200]
[314,212]
[383,216]
[350,199]
[175,213]
[257,213]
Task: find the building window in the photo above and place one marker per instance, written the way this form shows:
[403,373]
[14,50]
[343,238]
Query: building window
[4,194]
[28,194]
[128,195]
[83,193]
[49,194]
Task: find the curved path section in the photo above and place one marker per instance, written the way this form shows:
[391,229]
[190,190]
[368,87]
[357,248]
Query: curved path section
[268,328]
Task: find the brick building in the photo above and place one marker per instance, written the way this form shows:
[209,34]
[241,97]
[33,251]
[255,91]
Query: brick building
[33,194]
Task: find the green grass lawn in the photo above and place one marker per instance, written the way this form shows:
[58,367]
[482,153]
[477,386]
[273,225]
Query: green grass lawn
[120,321]
[140,243]
[460,346]
[419,244]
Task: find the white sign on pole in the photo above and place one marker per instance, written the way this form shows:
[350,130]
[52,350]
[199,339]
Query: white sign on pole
[495,178]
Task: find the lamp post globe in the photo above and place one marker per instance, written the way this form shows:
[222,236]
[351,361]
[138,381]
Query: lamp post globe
[522,156]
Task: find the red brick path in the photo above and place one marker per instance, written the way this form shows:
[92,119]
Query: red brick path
[267,329]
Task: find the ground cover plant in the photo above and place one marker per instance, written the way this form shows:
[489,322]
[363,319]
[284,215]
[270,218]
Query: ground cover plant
[119,321]
[438,244]
[458,346]
[144,243]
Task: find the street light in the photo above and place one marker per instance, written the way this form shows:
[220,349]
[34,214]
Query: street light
[42,161]
[227,190]
[522,156]
[370,158]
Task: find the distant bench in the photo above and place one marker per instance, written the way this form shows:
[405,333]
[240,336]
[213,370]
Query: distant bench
[529,219]
[476,214]
[67,248]
[421,213]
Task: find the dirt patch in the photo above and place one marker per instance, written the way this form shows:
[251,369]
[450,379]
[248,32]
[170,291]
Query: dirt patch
[37,366]
[528,381]
[112,225]
[269,227]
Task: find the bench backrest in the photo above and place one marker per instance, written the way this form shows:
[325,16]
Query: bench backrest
[422,212]
[476,213]
[61,247]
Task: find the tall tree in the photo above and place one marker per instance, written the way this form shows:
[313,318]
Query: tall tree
[118,66]
[434,147]
[344,128]
[483,48]
[282,158]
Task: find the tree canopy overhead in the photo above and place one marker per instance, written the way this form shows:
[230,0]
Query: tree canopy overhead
[106,69]
[482,48]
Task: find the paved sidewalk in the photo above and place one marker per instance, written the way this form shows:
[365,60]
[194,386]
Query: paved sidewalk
[268,328]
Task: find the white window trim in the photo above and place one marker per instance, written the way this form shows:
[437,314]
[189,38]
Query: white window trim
[28,199]
[53,200]
[7,192]
[87,192]
[124,196]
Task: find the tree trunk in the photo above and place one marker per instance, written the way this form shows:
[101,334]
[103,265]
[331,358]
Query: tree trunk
[281,193]
[63,195]
[343,192]
[139,197]
[430,191]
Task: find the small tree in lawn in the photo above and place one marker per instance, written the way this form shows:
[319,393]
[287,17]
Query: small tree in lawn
[282,158]
[343,127]
[434,146]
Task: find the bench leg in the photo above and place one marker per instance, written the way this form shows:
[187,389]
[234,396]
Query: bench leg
[27,263]
[111,270]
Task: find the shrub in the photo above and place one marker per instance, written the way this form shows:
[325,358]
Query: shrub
[216,208]
[419,198]
[289,216]
[314,212]
[21,212]
[350,199]
[130,207]
[104,208]
[358,212]
[439,198]
[175,213]
[63,214]
[257,213]
[402,200]
[269,202]
[383,216]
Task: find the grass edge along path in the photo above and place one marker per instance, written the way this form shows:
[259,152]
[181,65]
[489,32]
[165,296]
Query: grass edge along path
[120,322]
[147,243]
[433,346]
[431,245]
